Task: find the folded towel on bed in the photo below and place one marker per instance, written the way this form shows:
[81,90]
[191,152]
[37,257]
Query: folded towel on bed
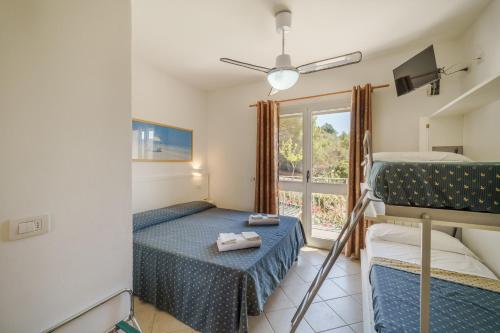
[227,238]
[263,219]
[241,242]
[250,235]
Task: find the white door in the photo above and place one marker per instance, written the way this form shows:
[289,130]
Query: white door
[313,169]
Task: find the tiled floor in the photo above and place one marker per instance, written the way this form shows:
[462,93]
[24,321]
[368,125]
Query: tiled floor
[336,309]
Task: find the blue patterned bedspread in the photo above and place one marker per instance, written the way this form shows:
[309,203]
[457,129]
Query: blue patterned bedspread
[178,268]
[473,186]
[454,307]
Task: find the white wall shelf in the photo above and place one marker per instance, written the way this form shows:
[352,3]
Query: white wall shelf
[475,98]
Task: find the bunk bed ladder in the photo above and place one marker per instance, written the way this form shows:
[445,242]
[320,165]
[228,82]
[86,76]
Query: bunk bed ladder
[346,232]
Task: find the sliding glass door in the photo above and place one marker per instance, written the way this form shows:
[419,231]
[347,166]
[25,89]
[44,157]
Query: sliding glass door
[313,170]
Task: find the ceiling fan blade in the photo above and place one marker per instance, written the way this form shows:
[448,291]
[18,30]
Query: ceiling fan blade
[273,91]
[246,65]
[343,60]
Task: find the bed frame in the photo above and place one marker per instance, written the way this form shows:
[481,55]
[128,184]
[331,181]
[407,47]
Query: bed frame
[375,210]
[368,318]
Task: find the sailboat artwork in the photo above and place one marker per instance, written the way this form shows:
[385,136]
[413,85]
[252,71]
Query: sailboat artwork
[155,142]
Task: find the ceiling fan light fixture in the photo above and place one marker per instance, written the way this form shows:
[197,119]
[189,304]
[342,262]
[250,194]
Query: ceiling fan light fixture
[284,75]
[282,78]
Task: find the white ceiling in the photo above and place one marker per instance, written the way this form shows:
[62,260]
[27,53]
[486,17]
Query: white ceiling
[187,38]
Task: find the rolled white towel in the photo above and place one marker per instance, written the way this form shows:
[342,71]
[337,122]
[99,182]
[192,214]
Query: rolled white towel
[264,216]
[262,219]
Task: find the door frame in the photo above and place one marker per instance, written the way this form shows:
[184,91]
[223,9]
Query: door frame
[306,186]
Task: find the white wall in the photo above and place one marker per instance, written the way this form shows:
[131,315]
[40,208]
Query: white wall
[480,131]
[481,138]
[445,131]
[481,134]
[232,124]
[158,97]
[481,39]
[65,147]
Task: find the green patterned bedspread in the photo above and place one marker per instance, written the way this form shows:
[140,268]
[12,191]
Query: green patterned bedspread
[473,186]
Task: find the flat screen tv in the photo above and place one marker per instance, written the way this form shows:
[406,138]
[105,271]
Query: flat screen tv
[416,72]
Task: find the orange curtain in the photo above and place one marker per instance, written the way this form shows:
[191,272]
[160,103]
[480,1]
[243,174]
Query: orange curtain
[361,121]
[266,180]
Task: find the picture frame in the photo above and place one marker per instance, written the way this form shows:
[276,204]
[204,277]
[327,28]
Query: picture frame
[157,142]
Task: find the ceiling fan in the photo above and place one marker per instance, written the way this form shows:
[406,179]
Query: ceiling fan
[284,75]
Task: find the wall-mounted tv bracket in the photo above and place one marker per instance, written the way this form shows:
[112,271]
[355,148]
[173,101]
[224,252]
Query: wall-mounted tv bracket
[446,71]
[435,86]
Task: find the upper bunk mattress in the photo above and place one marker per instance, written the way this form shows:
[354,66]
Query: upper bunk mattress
[472,186]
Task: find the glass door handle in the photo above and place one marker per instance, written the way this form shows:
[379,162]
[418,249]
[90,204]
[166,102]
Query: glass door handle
[308,176]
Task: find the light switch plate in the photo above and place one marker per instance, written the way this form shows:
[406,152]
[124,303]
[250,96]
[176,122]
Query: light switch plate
[29,227]
[26,227]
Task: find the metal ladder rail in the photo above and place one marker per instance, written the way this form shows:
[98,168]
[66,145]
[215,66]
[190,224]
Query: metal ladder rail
[333,254]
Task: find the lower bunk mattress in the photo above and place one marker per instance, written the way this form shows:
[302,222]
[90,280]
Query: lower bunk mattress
[178,268]
[473,186]
[455,307]
[465,294]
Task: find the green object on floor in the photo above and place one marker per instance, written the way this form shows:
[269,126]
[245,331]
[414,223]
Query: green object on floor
[126,327]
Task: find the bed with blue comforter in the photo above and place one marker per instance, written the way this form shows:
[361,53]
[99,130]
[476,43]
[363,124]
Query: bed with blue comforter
[471,305]
[178,268]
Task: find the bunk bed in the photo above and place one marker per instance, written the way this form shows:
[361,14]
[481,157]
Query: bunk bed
[465,293]
[446,194]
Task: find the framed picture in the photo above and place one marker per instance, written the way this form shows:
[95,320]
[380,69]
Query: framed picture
[154,142]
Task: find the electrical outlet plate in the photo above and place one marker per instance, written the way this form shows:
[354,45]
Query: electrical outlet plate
[29,227]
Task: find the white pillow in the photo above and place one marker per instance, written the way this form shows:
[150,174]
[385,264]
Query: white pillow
[411,236]
[430,156]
